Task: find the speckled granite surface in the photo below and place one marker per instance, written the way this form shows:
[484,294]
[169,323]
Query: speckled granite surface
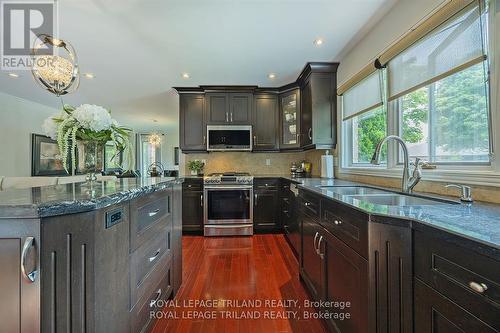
[76,197]
[479,222]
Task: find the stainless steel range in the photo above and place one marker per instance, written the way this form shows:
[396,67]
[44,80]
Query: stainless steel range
[228,204]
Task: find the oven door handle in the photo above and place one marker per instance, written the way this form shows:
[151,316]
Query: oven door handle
[227,187]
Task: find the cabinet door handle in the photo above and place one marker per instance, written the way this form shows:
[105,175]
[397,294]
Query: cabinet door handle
[314,242]
[231,116]
[478,287]
[151,259]
[256,197]
[201,200]
[227,117]
[321,255]
[254,139]
[204,139]
[309,133]
[337,222]
[154,212]
[28,244]
[157,298]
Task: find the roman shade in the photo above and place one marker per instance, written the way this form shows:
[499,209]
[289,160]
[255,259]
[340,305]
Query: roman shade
[358,77]
[454,45]
[364,96]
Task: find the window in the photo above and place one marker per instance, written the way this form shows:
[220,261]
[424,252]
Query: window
[436,96]
[447,121]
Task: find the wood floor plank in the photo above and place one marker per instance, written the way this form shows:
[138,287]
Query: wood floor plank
[259,268]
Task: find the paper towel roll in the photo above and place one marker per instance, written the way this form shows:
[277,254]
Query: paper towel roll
[327,166]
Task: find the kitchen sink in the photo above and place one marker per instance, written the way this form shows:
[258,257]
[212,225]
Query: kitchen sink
[353,190]
[399,200]
[384,197]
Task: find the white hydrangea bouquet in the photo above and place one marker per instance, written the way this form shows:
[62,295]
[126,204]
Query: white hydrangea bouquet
[91,124]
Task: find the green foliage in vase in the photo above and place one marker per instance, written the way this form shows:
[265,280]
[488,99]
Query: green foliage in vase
[195,165]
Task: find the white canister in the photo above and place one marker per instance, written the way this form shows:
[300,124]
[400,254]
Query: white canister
[327,165]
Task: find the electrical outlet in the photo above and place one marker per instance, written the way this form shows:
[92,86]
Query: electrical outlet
[268,161]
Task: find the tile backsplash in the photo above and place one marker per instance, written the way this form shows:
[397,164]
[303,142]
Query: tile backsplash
[255,163]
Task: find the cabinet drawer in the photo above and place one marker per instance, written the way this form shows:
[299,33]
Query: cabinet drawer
[309,203]
[348,224]
[144,264]
[467,278]
[155,300]
[146,216]
[436,313]
[267,183]
[192,185]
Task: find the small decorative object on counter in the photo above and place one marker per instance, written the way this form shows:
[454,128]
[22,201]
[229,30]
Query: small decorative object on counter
[156,169]
[196,167]
[90,127]
[327,165]
[306,167]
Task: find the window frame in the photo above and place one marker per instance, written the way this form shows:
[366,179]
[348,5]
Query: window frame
[466,173]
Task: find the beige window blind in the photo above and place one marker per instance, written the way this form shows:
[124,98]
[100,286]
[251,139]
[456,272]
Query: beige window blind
[364,96]
[451,47]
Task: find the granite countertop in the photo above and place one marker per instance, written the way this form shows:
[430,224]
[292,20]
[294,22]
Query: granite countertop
[479,222]
[37,202]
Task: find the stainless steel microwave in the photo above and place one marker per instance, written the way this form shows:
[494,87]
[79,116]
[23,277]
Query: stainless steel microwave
[229,138]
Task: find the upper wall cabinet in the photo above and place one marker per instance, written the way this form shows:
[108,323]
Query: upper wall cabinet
[318,83]
[299,116]
[233,108]
[290,119]
[192,122]
[265,123]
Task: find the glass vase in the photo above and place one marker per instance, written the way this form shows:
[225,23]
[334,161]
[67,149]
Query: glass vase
[93,156]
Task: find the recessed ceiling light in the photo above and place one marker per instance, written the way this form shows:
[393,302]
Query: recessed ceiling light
[271,76]
[14,75]
[89,75]
[185,75]
[318,42]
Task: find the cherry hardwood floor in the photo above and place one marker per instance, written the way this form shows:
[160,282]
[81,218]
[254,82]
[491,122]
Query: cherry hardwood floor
[259,269]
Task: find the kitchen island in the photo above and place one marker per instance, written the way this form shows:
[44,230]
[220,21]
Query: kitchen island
[84,258]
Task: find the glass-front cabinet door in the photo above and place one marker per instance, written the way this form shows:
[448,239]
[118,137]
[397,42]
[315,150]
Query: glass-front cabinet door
[290,119]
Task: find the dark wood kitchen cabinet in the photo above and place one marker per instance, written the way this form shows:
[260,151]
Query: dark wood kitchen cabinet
[435,313]
[318,83]
[289,215]
[20,279]
[265,123]
[312,264]
[346,281]
[234,108]
[192,122]
[192,205]
[290,119]
[266,204]
[463,286]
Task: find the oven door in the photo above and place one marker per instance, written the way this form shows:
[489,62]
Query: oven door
[228,204]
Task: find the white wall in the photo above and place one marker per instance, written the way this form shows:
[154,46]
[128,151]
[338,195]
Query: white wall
[404,15]
[18,119]
[170,139]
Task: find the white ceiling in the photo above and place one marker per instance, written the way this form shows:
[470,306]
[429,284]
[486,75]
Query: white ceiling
[138,49]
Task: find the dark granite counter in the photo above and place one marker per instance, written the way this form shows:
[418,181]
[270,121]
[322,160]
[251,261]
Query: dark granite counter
[72,198]
[479,222]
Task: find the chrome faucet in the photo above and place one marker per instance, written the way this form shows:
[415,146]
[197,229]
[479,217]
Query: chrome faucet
[409,181]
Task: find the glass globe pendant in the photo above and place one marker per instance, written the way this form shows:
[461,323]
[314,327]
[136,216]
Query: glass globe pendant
[57,72]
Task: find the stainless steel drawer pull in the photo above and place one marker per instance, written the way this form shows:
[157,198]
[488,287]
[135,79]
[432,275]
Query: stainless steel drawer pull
[28,244]
[155,256]
[157,298]
[337,222]
[321,255]
[154,212]
[478,287]
[201,200]
[314,242]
